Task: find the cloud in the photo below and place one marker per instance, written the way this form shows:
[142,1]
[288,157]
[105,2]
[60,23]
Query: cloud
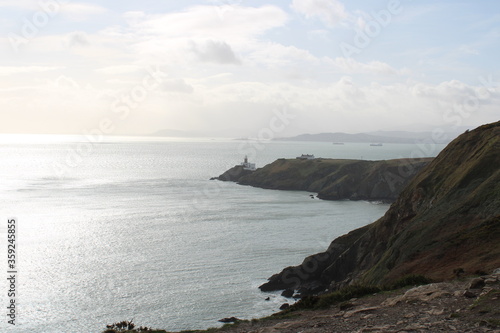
[134,17]
[10,70]
[77,38]
[21,4]
[205,23]
[198,48]
[81,11]
[176,85]
[197,33]
[276,55]
[119,69]
[348,105]
[215,52]
[330,12]
[349,65]
[468,50]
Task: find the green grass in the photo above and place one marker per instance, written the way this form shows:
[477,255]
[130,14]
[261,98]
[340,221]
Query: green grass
[335,298]
[342,296]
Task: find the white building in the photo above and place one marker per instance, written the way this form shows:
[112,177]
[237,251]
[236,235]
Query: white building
[248,166]
[306,157]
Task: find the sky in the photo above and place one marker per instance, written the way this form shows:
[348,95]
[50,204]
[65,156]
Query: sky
[238,68]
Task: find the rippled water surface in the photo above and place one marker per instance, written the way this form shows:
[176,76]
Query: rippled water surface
[134,229]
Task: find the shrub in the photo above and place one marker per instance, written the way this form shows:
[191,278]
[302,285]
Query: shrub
[346,294]
[336,297]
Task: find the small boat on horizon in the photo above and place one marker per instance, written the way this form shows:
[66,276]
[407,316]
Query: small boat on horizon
[376,144]
[338,143]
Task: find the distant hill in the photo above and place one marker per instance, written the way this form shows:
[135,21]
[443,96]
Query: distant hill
[446,220]
[374,137]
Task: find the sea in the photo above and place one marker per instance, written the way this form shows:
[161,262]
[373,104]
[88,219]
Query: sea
[132,228]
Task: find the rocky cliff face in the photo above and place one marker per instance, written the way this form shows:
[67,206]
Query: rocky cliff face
[445,220]
[233,174]
[334,179]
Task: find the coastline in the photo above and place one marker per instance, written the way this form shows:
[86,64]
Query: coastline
[464,304]
[332,179]
[443,226]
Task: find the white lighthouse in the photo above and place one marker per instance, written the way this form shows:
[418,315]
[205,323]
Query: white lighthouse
[248,166]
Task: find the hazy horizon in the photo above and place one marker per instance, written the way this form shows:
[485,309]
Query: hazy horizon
[247,69]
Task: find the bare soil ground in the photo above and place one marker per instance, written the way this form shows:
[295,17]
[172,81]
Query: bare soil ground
[439,307]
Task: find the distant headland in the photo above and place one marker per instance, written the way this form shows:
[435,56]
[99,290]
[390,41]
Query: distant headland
[332,179]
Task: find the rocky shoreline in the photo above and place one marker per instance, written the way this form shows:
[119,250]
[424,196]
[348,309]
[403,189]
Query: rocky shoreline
[466,304]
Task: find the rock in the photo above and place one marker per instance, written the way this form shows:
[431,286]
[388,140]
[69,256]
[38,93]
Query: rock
[476,283]
[352,313]
[268,298]
[436,312]
[229,320]
[288,293]
[415,327]
[234,174]
[297,296]
[485,291]
[311,289]
[284,306]
[496,271]
[370,328]
[469,294]
[423,293]
[490,281]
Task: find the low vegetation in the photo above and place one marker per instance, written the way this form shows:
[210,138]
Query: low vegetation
[341,297]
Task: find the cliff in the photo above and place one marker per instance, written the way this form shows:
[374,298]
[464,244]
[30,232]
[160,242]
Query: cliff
[446,220]
[333,179]
[233,174]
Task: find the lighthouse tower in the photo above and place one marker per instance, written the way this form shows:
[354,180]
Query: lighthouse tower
[248,166]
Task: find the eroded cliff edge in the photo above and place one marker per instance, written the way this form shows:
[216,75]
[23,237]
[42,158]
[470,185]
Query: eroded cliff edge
[333,179]
[446,219]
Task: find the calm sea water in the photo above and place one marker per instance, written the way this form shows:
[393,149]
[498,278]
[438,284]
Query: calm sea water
[133,229]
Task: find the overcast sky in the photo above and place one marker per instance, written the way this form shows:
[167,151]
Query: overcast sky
[237,67]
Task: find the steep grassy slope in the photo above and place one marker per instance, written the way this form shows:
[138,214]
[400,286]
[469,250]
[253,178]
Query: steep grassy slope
[446,218]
